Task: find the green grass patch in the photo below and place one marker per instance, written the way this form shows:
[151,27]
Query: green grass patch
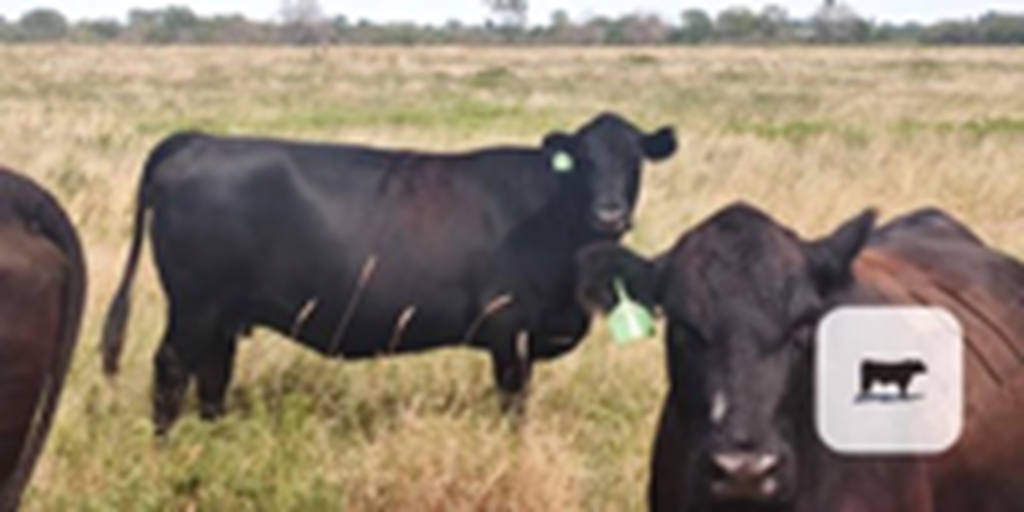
[994,126]
[494,78]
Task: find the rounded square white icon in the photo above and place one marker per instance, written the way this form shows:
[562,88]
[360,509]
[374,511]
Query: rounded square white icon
[889,380]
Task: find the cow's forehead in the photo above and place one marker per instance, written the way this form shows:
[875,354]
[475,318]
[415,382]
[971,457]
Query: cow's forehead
[609,129]
[740,267]
[611,152]
[608,122]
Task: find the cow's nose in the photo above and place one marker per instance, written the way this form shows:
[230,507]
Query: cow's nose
[746,475]
[612,216]
[746,465]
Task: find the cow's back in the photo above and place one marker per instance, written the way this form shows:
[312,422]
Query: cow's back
[983,288]
[985,291]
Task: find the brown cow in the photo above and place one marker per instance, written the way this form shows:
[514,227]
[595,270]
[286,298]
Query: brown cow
[42,291]
[743,295]
[929,258]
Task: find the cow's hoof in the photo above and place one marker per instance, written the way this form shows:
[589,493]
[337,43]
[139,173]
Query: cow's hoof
[211,412]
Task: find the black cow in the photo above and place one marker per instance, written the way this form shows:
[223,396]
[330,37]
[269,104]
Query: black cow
[899,373]
[358,251]
[743,295]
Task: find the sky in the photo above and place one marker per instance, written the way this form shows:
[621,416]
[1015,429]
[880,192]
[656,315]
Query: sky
[472,11]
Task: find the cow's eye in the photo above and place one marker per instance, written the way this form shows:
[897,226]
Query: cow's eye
[802,334]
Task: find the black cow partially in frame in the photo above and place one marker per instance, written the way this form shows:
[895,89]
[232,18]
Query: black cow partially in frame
[42,296]
[358,251]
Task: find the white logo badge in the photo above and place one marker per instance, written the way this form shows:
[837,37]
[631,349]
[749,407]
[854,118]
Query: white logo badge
[889,380]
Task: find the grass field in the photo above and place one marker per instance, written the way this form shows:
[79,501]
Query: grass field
[813,136]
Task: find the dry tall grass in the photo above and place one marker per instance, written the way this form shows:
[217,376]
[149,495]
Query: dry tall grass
[811,135]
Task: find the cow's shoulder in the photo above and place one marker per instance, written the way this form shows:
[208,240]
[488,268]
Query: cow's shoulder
[925,224]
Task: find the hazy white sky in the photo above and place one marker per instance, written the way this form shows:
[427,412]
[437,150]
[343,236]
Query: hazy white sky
[438,11]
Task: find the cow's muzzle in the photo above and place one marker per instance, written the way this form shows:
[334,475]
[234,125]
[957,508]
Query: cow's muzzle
[745,476]
[612,220]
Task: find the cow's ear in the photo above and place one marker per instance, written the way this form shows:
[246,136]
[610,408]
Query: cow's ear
[600,266]
[660,144]
[558,141]
[831,257]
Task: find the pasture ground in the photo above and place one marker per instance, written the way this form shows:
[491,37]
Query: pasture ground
[812,135]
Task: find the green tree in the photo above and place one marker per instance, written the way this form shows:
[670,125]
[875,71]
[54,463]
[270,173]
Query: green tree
[950,32]
[560,29]
[102,30]
[8,32]
[511,14]
[174,24]
[737,24]
[644,29]
[304,22]
[696,28]
[774,23]
[234,29]
[178,24]
[42,25]
[903,33]
[560,20]
[1003,29]
[839,23]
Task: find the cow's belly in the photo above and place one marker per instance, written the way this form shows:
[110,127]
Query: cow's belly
[391,320]
[370,324]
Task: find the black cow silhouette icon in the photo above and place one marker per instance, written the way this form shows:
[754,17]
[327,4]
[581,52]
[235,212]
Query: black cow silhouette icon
[900,373]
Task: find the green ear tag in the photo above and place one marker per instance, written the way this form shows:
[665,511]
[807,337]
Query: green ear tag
[629,320]
[562,162]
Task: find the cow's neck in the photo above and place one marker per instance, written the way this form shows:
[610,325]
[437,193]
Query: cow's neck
[563,222]
[830,481]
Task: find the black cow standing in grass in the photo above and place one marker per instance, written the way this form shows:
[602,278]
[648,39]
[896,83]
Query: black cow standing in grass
[358,251]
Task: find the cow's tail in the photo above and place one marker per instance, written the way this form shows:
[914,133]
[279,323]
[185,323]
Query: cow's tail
[120,306]
[59,229]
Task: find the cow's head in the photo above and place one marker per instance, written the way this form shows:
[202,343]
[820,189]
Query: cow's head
[742,296]
[602,162]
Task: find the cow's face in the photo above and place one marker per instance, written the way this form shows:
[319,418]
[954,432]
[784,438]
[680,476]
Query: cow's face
[602,163]
[742,297]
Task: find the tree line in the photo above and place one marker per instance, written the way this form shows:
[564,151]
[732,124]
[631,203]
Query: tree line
[304,22]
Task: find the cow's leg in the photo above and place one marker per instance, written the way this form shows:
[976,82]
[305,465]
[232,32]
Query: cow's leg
[512,365]
[190,334]
[214,375]
[171,379]
[505,335]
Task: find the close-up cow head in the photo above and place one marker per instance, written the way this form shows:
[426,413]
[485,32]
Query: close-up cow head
[603,161]
[742,296]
